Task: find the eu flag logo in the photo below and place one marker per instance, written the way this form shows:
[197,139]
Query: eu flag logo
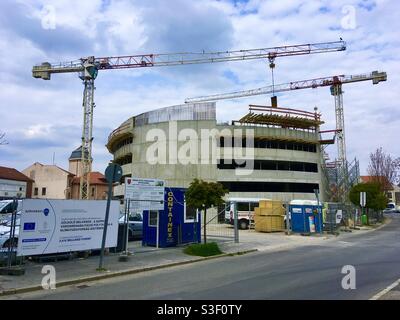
[29,226]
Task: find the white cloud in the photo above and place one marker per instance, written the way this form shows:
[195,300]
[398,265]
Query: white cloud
[38,109]
[38,131]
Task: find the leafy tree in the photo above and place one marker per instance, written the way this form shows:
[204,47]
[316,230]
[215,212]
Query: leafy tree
[383,168]
[376,198]
[205,195]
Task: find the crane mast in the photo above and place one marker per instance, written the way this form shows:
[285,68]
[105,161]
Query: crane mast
[88,69]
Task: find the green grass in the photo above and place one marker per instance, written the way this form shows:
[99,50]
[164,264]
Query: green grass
[203,250]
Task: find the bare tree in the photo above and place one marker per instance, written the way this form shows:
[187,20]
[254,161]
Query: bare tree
[383,168]
[3,141]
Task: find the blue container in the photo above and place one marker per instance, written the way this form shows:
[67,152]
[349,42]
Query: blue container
[174,227]
[306,217]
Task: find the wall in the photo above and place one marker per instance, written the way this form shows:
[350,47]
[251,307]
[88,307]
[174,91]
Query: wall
[100,192]
[179,175]
[75,167]
[12,188]
[54,179]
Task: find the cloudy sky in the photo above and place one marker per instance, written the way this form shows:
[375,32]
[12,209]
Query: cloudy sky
[42,118]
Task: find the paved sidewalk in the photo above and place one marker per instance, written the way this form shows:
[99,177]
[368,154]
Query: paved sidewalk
[81,270]
[393,294]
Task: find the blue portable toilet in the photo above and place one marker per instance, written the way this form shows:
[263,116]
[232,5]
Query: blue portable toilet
[306,216]
[177,224]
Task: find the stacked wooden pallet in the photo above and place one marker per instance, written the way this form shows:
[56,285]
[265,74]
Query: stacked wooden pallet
[269,216]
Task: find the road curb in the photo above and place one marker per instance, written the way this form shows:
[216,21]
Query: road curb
[380,294]
[386,222]
[371,229]
[115,274]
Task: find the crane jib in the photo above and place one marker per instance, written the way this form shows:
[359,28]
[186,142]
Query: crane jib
[157,60]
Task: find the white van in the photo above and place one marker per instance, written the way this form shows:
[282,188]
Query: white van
[245,207]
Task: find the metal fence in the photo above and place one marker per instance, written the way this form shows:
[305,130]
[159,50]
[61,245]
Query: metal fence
[350,217]
[217,225]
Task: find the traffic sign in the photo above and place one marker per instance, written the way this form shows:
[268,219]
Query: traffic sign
[113,173]
[363,199]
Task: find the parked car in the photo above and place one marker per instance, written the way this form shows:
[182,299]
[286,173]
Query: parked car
[5,229]
[391,208]
[135,225]
[6,206]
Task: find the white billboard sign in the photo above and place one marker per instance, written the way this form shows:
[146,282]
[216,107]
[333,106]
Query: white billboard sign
[144,194]
[363,199]
[339,216]
[56,226]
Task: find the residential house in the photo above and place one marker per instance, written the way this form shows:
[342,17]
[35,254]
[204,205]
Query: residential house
[14,184]
[51,181]
[97,187]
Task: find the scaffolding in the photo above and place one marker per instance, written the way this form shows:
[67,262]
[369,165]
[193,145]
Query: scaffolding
[283,118]
[342,178]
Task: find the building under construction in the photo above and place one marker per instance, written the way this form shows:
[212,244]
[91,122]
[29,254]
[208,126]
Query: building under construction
[270,153]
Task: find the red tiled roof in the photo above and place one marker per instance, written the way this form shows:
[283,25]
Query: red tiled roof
[13,174]
[95,178]
[379,179]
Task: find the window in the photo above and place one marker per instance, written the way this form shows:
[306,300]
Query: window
[297,166]
[243,206]
[153,217]
[310,167]
[36,192]
[93,191]
[235,186]
[253,205]
[283,165]
[190,214]
[270,165]
[261,143]
[44,191]
[137,217]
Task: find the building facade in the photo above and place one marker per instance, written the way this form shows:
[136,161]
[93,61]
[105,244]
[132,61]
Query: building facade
[392,191]
[97,189]
[14,184]
[51,181]
[75,161]
[264,155]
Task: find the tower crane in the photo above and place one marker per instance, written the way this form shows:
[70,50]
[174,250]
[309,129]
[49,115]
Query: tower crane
[335,83]
[88,69]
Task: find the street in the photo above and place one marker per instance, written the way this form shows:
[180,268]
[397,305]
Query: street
[307,272]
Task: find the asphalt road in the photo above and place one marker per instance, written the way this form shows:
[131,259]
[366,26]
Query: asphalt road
[311,272]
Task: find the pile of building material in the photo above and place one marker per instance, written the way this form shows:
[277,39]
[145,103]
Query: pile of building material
[269,216]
